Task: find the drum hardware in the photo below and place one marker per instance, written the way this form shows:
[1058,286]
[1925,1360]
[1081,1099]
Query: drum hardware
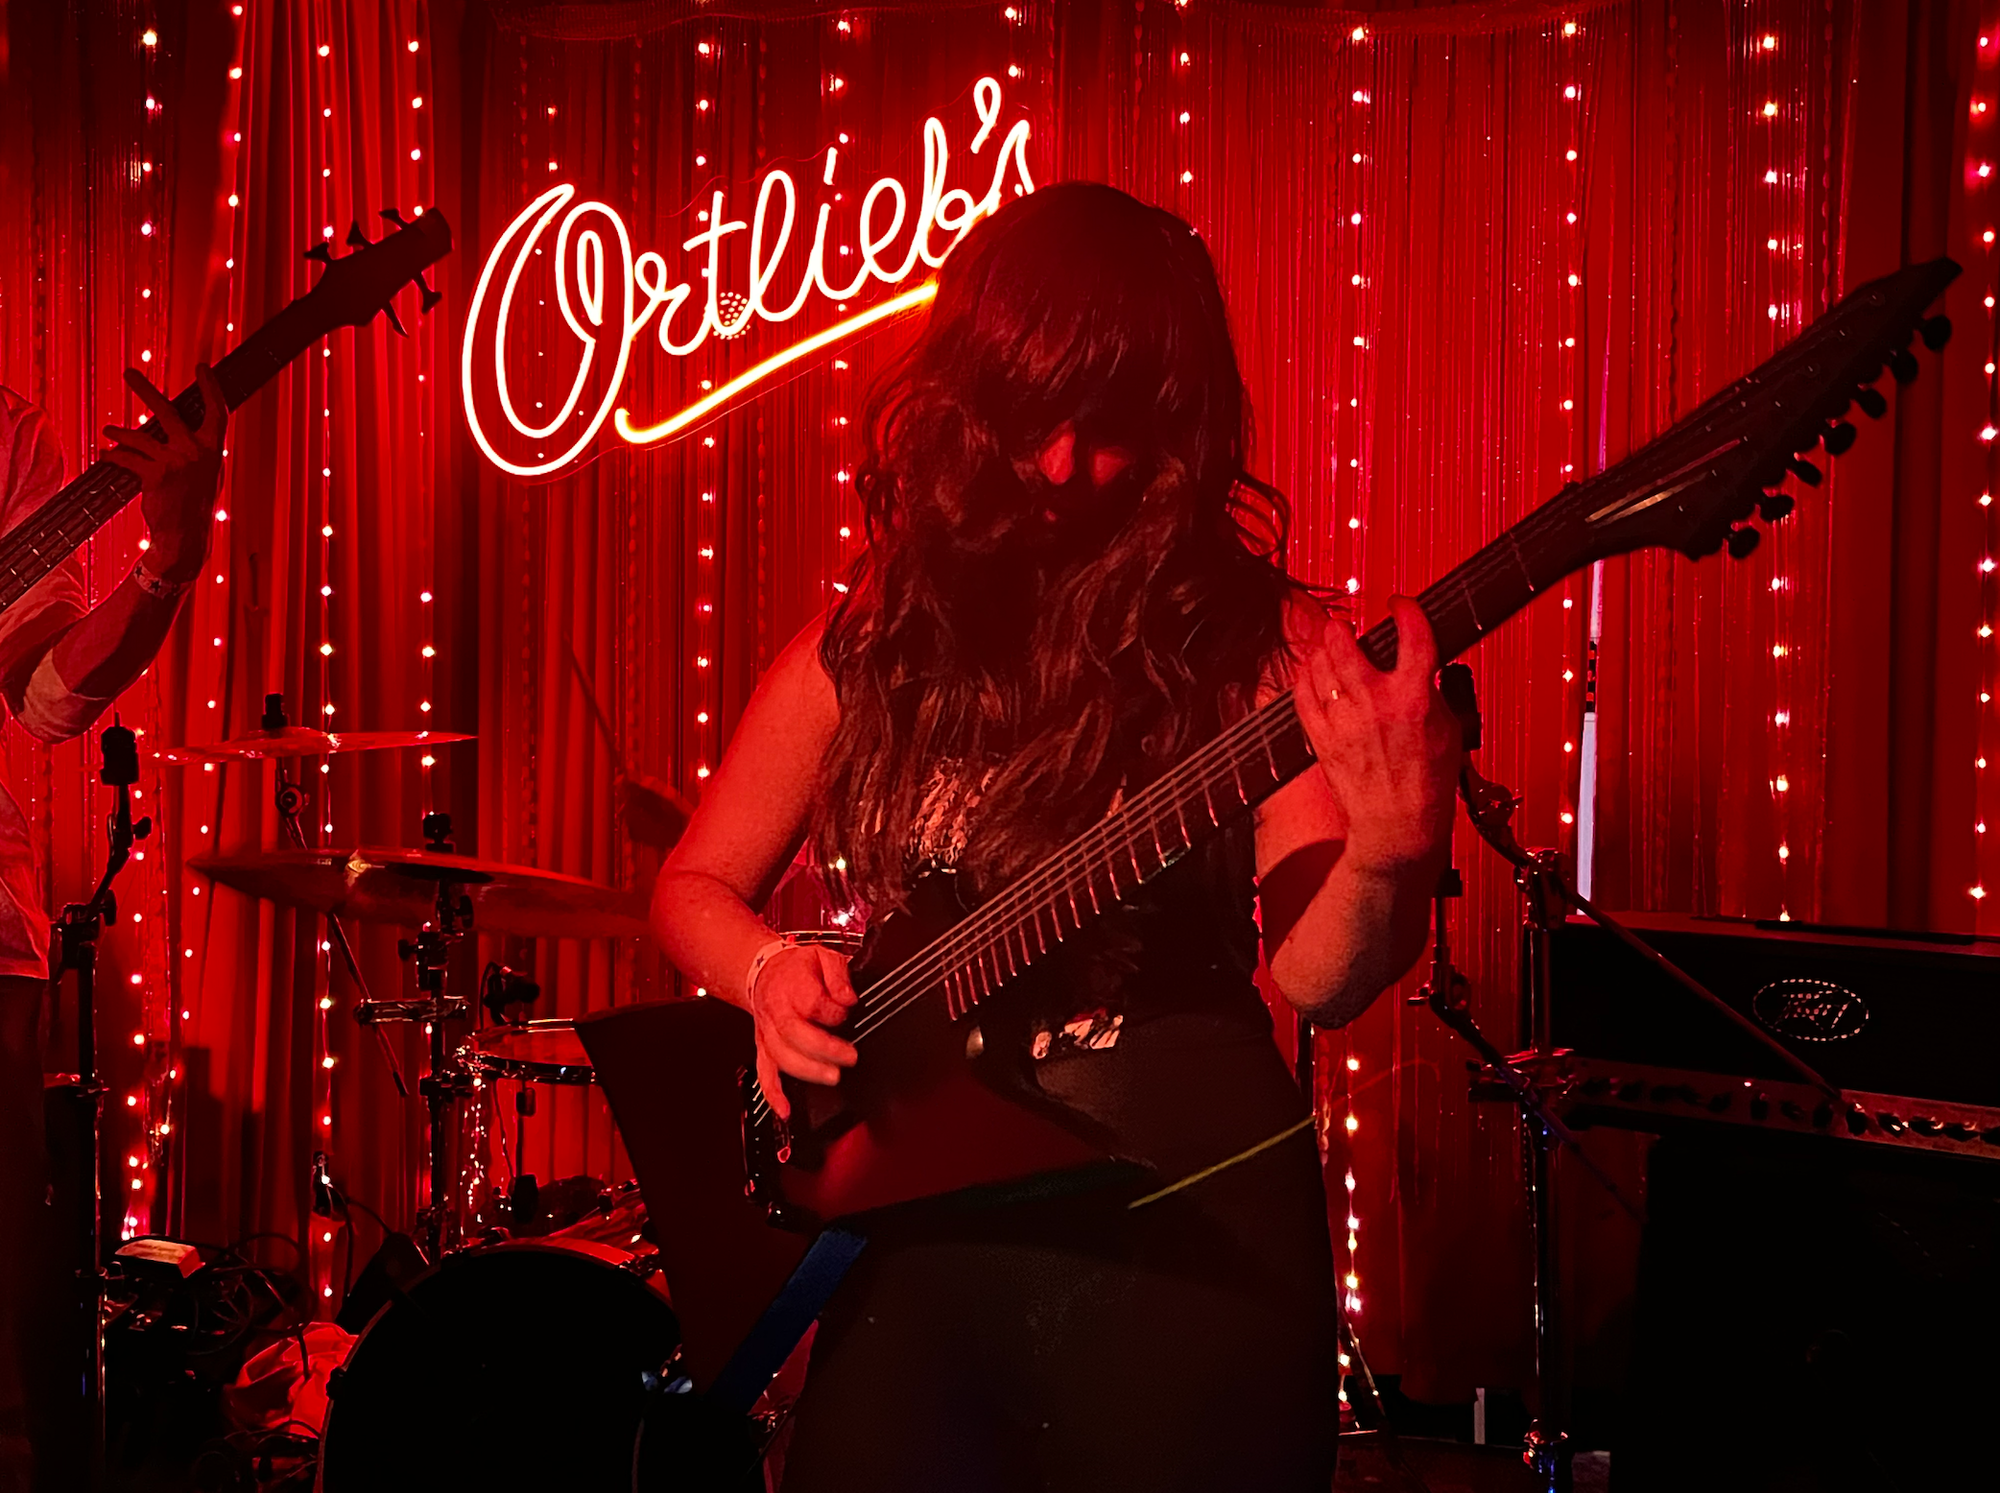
[76,933]
[290,798]
[429,953]
[375,1013]
[501,988]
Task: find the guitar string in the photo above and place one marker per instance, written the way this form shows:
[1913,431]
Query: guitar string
[918,976]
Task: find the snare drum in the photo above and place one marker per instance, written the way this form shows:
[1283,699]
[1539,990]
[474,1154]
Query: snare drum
[545,1051]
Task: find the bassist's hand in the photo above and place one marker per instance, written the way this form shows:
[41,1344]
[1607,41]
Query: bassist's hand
[179,470]
[801,995]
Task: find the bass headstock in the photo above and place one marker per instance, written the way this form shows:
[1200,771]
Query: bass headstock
[359,286]
[1693,488]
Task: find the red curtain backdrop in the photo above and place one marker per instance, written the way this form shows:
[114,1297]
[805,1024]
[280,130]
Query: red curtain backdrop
[1471,252]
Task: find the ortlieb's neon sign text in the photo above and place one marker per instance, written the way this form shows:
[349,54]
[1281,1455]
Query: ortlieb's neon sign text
[608,297]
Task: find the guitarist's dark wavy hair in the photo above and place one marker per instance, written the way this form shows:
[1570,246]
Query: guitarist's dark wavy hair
[1070,638]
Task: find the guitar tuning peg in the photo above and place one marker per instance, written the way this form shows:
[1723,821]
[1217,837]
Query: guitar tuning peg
[1902,366]
[1742,541]
[394,320]
[321,252]
[1872,403]
[1936,332]
[1805,471]
[427,297]
[1774,506]
[1839,438]
[394,216]
[356,239]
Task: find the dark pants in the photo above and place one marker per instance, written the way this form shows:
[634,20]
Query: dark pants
[24,1186]
[1075,1347]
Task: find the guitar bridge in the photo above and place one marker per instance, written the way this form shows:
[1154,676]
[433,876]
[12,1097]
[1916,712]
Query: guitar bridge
[767,1145]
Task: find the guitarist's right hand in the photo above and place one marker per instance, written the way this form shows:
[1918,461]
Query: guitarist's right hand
[800,996]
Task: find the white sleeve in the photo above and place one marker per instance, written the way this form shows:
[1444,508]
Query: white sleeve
[53,711]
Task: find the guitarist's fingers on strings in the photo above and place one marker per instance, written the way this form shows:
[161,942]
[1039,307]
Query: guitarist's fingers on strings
[797,996]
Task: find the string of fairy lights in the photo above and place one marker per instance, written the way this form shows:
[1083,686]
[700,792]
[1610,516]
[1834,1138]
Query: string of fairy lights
[147,1148]
[1570,238]
[1979,160]
[1778,122]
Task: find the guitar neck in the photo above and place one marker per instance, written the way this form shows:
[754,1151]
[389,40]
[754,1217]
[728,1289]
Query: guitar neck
[56,530]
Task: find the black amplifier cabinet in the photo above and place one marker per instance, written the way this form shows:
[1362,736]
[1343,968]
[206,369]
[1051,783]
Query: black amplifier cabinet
[1818,1295]
[1883,1013]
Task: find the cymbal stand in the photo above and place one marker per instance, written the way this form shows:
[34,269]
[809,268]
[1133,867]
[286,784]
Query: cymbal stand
[1491,808]
[290,799]
[76,936]
[430,952]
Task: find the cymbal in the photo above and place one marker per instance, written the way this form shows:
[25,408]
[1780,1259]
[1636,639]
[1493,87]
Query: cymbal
[389,885]
[302,741]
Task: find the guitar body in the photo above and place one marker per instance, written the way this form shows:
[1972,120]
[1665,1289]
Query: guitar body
[916,1118]
[934,1106]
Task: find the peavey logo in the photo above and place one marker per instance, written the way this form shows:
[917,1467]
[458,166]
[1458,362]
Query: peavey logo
[1810,1010]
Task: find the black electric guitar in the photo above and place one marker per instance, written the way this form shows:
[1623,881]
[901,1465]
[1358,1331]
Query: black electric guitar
[932,1107]
[353,290]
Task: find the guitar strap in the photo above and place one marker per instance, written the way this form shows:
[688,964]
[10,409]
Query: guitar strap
[756,1361]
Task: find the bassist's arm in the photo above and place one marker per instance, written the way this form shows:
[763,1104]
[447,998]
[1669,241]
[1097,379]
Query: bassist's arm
[57,683]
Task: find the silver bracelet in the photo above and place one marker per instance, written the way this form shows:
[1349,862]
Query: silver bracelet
[157,585]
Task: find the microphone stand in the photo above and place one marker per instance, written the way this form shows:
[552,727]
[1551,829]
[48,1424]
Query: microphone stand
[76,940]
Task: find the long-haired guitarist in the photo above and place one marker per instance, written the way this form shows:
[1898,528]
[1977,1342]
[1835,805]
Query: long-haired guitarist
[1069,582]
[60,667]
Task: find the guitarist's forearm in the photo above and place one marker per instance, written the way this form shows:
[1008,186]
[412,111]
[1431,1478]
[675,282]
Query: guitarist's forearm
[1361,932]
[707,931]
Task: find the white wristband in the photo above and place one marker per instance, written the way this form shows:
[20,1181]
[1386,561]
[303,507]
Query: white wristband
[761,958]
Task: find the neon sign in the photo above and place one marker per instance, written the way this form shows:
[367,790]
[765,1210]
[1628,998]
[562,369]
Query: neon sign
[608,297]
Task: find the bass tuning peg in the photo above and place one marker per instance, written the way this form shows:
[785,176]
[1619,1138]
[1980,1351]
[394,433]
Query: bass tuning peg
[1936,332]
[320,252]
[395,320]
[1742,541]
[394,216]
[427,297]
[1774,506]
[1839,438]
[1902,366]
[1805,471]
[1872,402]
[356,239]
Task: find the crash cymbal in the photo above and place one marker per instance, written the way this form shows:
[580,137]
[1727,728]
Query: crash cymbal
[380,884]
[303,741]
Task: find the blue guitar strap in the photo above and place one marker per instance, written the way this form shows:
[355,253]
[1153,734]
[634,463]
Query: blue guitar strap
[757,1360]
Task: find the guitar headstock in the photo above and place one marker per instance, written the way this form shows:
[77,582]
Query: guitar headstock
[357,287]
[1692,488]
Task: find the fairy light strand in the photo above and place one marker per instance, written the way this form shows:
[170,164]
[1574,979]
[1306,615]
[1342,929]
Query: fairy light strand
[1980,155]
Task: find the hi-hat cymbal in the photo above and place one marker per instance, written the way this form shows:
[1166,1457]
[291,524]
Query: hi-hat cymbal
[386,885]
[303,741]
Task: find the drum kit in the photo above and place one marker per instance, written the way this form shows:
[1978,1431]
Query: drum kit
[588,1317]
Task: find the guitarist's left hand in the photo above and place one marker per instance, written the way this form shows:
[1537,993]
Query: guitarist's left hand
[178,470]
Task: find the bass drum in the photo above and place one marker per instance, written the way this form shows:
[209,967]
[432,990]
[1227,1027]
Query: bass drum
[527,1365]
